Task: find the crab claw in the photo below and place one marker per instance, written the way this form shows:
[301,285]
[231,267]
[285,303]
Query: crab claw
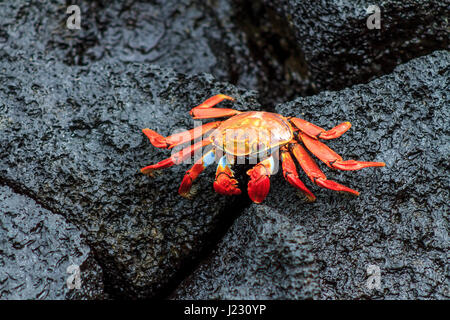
[259,184]
[225,183]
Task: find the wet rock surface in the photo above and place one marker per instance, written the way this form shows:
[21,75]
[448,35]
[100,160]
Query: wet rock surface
[398,224]
[188,36]
[73,103]
[263,256]
[36,248]
[172,33]
[400,221]
[340,49]
[73,141]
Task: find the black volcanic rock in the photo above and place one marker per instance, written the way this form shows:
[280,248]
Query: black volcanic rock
[400,220]
[73,103]
[175,34]
[36,248]
[71,138]
[399,223]
[263,256]
[189,36]
[340,50]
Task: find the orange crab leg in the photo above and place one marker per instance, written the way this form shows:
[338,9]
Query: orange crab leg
[225,182]
[259,184]
[332,159]
[211,102]
[194,172]
[317,132]
[177,157]
[205,111]
[313,171]
[291,175]
[179,138]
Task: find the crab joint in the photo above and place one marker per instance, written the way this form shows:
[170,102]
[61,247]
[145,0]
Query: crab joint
[225,182]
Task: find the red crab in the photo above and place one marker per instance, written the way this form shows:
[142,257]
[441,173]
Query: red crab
[255,135]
